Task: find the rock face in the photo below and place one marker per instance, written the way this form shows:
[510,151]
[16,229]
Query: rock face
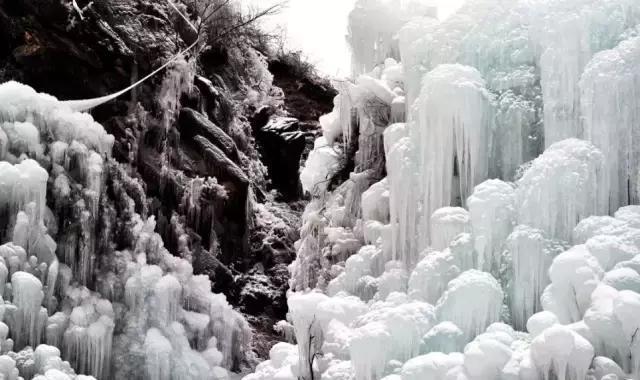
[187,151]
[281,143]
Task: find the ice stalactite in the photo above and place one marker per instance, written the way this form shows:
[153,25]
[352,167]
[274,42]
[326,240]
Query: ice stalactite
[431,275]
[392,326]
[408,37]
[492,210]
[560,66]
[446,224]
[403,177]
[158,355]
[516,135]
[452,139]
[23,104]
[561,352]
[444,337]
[611,319]
[472,302]
[373,25]
[26,182]
[486,355]
[140,288]
[484,91]
[567,179]
[574,275]
[611,113]
[531,254]
[568,34]
[87,341]
[28,319]
[304,271]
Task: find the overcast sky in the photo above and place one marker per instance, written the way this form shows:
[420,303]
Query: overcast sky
[318,27]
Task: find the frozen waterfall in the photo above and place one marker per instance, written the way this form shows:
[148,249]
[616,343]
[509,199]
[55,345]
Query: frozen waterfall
[502,240]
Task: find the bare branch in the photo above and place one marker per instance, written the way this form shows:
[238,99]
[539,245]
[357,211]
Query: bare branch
[269,11]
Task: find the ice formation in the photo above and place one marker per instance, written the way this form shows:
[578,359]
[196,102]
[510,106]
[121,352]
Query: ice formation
[81,305]
[506,211]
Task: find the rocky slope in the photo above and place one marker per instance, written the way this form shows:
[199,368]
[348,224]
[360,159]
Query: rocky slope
[211,147]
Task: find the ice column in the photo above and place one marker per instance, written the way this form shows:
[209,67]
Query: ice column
[446,224]
[27,320]
[157,351]
[403,198]
[493,212]
[561,187]
[531,256]
[453,136]
[610,103]
[472,302]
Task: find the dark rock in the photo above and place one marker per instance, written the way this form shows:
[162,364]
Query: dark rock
[215,102]
[192,123]
[281,144]
[218,164]
[261,117]
[307,97]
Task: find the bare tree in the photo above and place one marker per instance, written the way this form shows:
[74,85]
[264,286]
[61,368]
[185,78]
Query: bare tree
[314,347]
[219,19]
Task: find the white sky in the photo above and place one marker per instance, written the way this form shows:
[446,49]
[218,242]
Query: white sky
[318,28]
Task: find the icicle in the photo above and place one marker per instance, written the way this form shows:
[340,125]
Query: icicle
[446,224]
[27,324]
[403,198]
[531,256]
[472,302]
[451,137]
[168,292]
[561,187]
[611,113]
[157,350]
[493,211]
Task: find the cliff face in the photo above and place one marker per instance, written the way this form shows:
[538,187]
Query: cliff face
[213,147]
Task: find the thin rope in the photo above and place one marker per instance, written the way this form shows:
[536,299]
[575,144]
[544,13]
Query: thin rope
[185,18]
[84,105]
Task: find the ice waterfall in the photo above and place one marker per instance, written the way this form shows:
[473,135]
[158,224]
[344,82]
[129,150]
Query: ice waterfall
[87,305]
[504,241]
